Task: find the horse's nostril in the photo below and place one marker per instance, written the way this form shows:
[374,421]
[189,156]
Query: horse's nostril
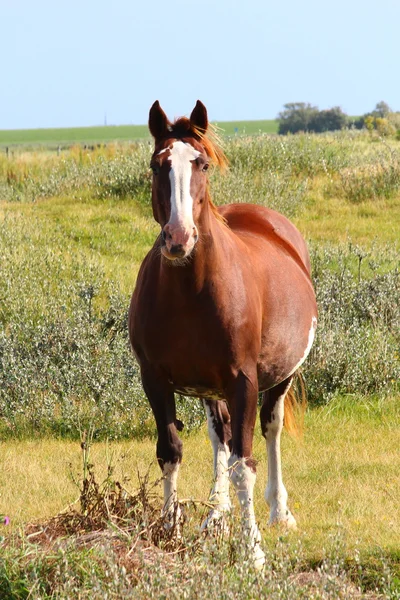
[195,234]
[164,235]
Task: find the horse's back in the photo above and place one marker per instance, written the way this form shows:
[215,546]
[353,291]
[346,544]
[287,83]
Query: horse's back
[268,224]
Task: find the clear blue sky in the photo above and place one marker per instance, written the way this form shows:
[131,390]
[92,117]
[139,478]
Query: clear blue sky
[66,64]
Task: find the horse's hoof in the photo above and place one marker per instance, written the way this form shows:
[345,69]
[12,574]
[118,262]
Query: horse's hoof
[258,557]
[286,521]
[173,518]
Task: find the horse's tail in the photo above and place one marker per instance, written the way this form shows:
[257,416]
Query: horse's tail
[295,406]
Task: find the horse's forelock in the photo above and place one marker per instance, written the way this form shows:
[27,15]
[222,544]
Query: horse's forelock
[183,128]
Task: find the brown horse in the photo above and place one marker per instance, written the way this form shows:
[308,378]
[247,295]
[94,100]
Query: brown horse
[223,309]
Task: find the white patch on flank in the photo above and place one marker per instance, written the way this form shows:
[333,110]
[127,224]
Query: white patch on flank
[181,158]
[171,510]
[311,335]
[275,493]
[243,478]
[219,496]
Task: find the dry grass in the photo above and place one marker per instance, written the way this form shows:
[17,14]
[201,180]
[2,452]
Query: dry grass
[342,477]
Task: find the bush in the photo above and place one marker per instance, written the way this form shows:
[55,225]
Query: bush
[382,119]
[328,120]
[300,116]
[296,117]
[357,346]
[64,353]
[361,183]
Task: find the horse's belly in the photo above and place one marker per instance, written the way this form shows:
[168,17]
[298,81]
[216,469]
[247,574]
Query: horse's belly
[279,361]
[200,392]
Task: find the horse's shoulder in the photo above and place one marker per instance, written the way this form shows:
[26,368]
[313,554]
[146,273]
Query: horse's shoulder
[267,223]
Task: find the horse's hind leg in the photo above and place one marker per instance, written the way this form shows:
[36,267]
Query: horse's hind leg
[169,446]
[219,431]
[271,417]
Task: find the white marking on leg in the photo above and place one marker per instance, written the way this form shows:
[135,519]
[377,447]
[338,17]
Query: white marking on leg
[243,478]
[220,492]
[311,335]
[171,510]
[275,492]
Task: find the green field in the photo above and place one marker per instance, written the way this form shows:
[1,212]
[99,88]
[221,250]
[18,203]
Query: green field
[74,229]
[118,133]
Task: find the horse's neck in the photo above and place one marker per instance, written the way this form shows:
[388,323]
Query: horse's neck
[205,262]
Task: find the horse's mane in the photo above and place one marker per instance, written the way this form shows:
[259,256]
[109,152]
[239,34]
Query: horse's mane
[183,128]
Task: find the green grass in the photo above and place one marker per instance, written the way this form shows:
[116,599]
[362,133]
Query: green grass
[73,231]
[248,127]
[72,135]
[343,487]
[117,133]
[343,474]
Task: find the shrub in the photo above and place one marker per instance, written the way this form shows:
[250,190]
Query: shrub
[300,116]
[369,182]
[296,117]
[328,120]
[357,346]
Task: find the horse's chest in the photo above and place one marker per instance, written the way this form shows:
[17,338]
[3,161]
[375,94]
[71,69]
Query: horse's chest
[186,338]
[194,346]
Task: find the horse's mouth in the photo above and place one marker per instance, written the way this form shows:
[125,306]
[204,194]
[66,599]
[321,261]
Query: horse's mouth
[173,256]
[176,255]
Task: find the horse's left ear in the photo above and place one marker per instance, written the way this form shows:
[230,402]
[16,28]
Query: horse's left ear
[199,118]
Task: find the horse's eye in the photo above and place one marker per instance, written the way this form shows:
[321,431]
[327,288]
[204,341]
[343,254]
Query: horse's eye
[205,167]
[155,169]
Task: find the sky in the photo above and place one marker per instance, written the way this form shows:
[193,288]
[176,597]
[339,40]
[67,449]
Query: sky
[75,63]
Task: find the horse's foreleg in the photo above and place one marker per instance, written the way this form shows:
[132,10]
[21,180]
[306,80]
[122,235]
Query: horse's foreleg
[219,431]
[169,446]
[271,417]
[242,467]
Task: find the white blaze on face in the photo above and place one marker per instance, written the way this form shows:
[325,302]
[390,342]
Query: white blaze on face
[181,156]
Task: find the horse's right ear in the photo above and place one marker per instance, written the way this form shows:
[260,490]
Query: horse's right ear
[158,121]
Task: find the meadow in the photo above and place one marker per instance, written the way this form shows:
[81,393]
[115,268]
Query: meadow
[113,133]
[74,228]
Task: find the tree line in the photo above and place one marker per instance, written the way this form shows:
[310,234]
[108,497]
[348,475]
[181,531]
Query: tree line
[302,116]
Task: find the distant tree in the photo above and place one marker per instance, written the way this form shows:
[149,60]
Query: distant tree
[358,123]
[382,109]
[296,117]
[328,120]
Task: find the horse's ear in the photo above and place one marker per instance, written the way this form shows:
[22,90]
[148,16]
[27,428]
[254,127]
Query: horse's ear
[198,118]
[158,121]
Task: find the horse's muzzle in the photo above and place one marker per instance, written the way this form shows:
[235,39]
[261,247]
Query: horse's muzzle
[178,241]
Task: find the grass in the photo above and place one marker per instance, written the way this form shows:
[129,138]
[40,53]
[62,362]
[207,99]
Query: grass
[371,222]
[72,135]
[117,133]
[342,475]
[74,229]
[342,482]
[114,234]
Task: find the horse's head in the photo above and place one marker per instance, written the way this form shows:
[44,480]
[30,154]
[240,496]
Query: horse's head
[179,190]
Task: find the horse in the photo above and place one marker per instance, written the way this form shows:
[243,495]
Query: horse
[223,309]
